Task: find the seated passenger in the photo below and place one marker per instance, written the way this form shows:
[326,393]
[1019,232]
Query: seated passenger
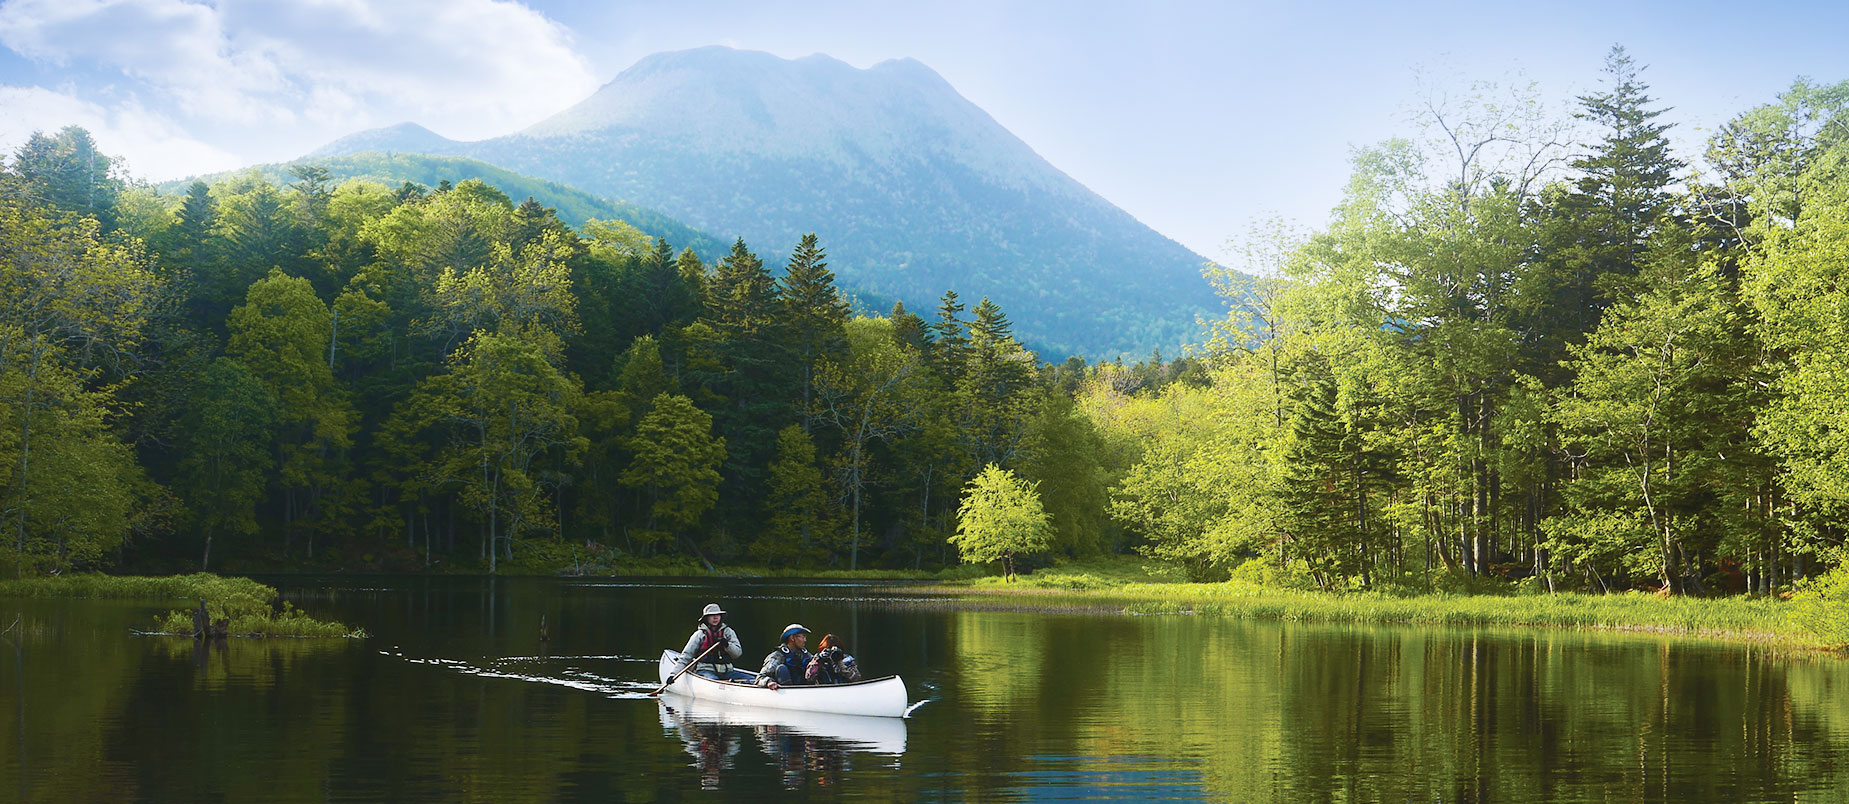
[712,633]
[786,664]
[831,664]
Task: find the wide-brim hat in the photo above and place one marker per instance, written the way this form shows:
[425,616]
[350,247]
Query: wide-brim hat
[710,610]
[793,630]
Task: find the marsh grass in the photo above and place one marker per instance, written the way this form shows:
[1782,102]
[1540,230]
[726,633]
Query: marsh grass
[249,605]
[1151,590]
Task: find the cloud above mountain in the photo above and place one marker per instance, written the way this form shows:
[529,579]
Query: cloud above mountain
[468,68]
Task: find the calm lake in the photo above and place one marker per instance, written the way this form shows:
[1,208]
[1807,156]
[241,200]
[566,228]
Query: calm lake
[456,698]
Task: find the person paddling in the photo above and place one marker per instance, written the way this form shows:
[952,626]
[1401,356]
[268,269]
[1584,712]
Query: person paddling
[786,664]
[712,632]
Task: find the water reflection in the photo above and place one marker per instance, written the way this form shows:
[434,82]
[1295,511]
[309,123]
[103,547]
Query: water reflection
[807,748]
[459,699]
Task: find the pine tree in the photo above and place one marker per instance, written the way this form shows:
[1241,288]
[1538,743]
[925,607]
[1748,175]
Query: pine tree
[67,171]
[815,316]
[948,341]
[1616,205]
[909,329]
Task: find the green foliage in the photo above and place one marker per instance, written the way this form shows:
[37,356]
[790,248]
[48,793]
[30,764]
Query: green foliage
[1507,364]
[68,172]
[575,206]
[249,605]
[1821,606]
[74,307]
[676,464]
[800,527]
[223,473]
[503,406]
[1001,518]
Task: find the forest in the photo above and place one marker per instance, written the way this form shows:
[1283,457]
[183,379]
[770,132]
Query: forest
[1526,348]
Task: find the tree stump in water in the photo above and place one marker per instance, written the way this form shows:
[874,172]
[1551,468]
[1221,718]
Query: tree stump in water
[204,627]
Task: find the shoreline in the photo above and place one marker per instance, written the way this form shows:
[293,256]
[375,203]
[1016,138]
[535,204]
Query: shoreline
[1756,621]
[1123,589]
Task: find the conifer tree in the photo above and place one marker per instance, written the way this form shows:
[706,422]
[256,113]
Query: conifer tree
[67,171]
[814,315]
[1615,206]
[948,341]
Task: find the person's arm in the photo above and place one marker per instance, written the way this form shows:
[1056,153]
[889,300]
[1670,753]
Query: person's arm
[767,675]
[814,669]
[691,650]
[731,650]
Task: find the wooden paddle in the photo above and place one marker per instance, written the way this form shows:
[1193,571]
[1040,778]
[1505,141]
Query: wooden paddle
[677,673]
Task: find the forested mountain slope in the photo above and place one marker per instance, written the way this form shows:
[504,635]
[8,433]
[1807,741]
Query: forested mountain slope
[912,188]
[574,206]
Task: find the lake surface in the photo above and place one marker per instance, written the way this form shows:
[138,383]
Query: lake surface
[456,698]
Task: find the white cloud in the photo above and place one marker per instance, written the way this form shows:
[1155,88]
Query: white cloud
[154,147]
[467,68]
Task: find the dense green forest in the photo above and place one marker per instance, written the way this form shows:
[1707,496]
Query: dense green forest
[1523,348]
[573,206]
[358,375]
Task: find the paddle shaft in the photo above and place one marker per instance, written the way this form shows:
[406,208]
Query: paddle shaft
[677,673]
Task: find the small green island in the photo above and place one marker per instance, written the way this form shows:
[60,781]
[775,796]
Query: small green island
[247,608]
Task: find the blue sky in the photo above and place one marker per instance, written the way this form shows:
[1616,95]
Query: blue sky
[1198,118]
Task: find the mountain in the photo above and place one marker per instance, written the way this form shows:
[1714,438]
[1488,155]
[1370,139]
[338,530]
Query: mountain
[912,189]
[574,206]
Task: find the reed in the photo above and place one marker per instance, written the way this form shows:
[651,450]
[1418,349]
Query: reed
[1755,619]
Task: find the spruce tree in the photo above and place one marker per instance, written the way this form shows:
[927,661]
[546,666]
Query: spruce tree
[815,316]
[948,341]
[1615,206]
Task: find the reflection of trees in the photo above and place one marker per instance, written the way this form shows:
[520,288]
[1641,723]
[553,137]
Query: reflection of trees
[1001,655]
[100,727]
[1320,713]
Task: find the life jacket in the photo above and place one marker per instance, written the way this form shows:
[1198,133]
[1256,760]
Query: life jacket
[708,639]
[796,661]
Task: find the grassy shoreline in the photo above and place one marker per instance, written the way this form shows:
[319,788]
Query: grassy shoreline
[250,606]
[1766,621]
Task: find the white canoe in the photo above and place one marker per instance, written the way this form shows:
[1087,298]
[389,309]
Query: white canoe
[879,697]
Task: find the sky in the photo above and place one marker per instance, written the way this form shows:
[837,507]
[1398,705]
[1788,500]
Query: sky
[1202,119]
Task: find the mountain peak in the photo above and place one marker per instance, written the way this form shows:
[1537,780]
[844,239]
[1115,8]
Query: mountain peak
[404,137]
[912,188]
[722,100]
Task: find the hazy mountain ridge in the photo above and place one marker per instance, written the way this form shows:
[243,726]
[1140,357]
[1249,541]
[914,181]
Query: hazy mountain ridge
[574,206]
[912,188]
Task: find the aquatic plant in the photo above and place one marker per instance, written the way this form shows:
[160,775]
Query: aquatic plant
[248,605]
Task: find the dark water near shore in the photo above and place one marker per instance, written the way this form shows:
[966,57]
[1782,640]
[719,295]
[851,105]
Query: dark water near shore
[455,698]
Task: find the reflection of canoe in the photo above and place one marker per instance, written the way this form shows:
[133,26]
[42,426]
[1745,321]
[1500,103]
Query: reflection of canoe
[878,735]
[879,697]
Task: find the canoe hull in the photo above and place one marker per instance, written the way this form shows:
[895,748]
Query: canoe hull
[880,697]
